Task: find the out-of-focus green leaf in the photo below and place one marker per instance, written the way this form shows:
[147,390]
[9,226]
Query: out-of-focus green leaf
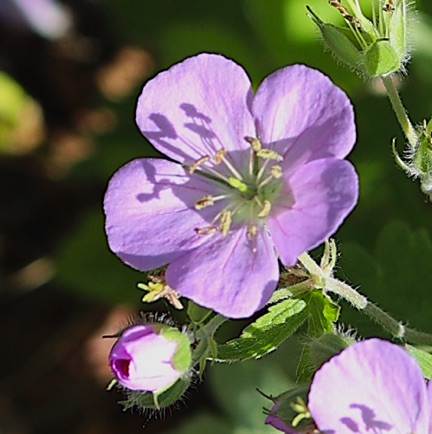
[423,358]
[87,267]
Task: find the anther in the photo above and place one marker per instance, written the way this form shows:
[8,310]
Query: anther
[266,207]
[205,231]
[194,166]
[205,201]
[389,6]
[252,231]
[276,171]
[219,156]
[269,154]
[254,142]
[344,12]
[225,221]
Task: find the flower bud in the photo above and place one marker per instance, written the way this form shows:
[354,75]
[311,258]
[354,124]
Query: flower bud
[422,159]
[150,357]
[375,47]
[289,413]
[326,346]
[418,162]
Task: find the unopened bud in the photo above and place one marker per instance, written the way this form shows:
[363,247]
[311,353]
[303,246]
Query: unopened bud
[150,357]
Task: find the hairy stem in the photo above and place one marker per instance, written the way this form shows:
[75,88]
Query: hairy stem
[401,114]
[360,302]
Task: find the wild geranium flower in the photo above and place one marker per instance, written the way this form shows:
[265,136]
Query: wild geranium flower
[372,386]
[150,357]
[251,178]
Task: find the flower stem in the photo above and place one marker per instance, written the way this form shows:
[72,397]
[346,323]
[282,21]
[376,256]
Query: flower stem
[401,114]
[360,302]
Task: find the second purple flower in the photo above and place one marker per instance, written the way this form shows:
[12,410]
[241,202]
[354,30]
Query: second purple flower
[255,177]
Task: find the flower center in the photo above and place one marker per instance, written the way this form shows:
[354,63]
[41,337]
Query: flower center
[248,194]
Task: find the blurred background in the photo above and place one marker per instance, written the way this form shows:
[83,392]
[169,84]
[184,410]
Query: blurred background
[70,73]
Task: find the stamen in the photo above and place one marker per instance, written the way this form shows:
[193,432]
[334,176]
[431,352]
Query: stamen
[252,231]
[194,166]
[205,231]
[205,201]
[219,155]
[230,167]
[276,171]
[265,209]
[225,221]
[345,13]
[389,6]
[269,154]
[254,142]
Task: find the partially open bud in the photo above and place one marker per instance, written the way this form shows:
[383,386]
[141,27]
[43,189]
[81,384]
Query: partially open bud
[375,47]
[289,412]
[150,357]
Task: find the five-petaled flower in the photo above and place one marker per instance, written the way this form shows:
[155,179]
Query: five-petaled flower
[254,177]
[373,386]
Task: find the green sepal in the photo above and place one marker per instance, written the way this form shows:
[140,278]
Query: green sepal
[156,400]
[197,313]
[326,346]
[398,29]
[340,41]
[380,58]
[182,358]
[423,358]
[266,333]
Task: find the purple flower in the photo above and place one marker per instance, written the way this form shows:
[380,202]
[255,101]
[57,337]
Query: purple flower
[372,386]
[254,178]
[150,357]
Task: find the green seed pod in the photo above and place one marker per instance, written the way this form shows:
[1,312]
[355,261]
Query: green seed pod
[380,58]
[339,41]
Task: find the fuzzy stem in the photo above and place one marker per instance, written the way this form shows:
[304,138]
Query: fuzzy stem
[401,114]
[360,302]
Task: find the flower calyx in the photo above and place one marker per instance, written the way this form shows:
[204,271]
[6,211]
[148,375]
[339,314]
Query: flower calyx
[371,47]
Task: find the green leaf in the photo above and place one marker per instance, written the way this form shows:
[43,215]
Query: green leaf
[323,313]
[265,334]
[423,358]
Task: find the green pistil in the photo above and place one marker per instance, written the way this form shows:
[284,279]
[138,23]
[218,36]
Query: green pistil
[239,185]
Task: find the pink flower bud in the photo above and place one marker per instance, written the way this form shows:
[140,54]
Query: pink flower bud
[150,357]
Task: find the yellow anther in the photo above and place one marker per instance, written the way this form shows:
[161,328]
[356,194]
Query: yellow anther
[269,154]
[266,207]
[219,156]
[194,166]
[252,231]
[205,231]
[206,200]
[276,171]
[254,142]
[225,221]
